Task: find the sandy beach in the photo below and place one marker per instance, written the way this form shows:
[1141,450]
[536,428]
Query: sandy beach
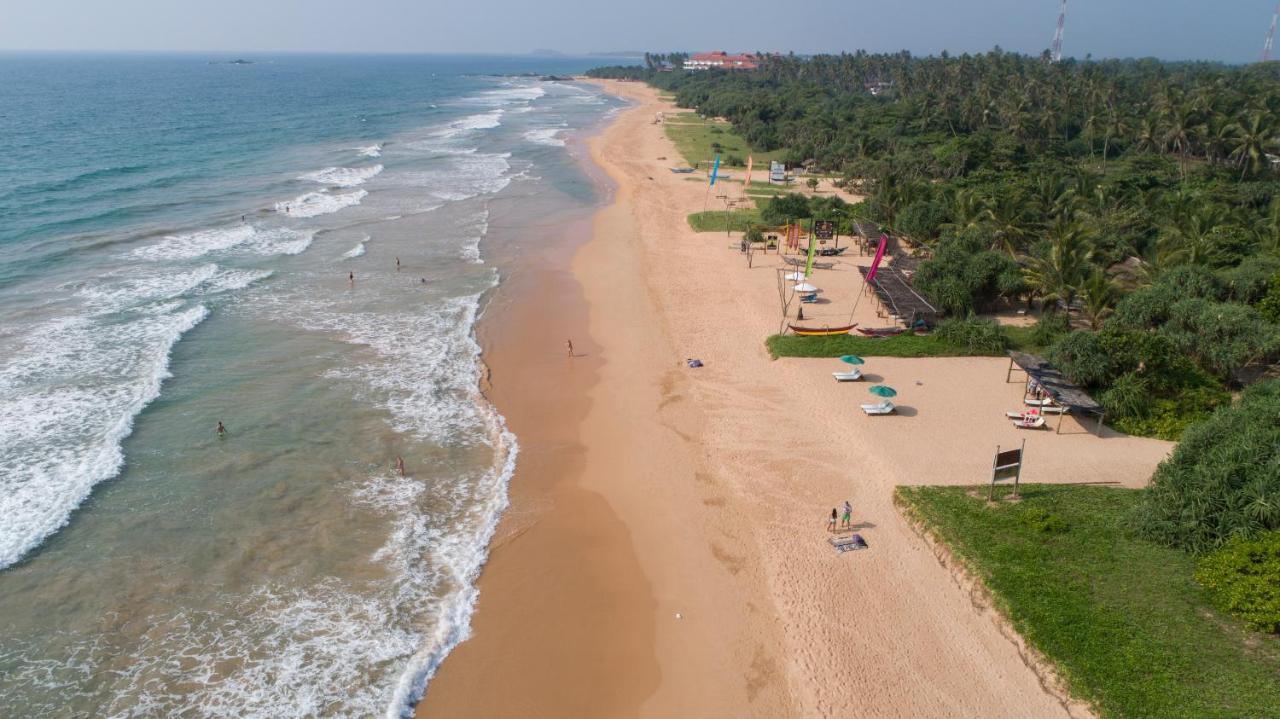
[666,550]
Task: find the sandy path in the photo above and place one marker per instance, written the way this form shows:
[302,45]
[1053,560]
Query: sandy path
[885,632]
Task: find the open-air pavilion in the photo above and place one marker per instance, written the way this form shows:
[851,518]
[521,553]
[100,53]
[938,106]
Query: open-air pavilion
[898,298]
[1053,383]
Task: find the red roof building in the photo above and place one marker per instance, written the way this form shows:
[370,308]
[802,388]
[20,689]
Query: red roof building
[721,60]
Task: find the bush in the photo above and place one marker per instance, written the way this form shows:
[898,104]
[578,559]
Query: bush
[921,220]
[1252,279]
[974,334]
[1222,337]
[1143,309]
[1049,328]
[1223,479]
[1042,520]
[1243,579]
[782,209]
[1083,358]
[964,275]
[1269,306]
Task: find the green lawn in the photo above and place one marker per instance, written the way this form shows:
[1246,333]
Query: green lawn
[906,344]
[715,220]
[1128,628]
[694,136]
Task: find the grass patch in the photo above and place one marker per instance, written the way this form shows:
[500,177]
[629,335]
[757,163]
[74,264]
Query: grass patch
[1122,618]
[715,220]
[906,344]
[694,139]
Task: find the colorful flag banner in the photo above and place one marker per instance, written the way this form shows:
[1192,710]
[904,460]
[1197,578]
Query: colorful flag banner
[747,182]
[875,263]
[715,171]
[808,264]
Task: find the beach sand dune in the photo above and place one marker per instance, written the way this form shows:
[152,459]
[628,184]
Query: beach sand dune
[713,591]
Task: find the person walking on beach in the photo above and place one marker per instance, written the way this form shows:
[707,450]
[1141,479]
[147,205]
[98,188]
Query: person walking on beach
[831,525]
[569,344]
[222,431]
[400,465]
[846,519]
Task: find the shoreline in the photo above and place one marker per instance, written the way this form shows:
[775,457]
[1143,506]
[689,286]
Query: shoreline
[713,591]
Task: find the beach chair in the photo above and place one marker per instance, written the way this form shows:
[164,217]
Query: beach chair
[885,407]
[852,375]
[1036,422]
[848,544]
[810,298]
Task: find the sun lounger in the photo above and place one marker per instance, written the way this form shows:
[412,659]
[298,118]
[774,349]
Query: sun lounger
[850,376]
[1045,405]
[810,298]
[848,544]
[1029,423]
[885,407]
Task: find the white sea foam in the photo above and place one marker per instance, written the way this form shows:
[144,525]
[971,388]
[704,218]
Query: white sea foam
[509,95]
[465,176]
[314,204]
[370,151]
[343,176]
[68,397]
[357,250]
[248,238]
[545,136]
[470,123]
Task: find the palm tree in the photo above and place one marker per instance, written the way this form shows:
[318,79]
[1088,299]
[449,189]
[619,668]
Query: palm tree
[1254,139]
[1189,238]
[1098,294]
[1179,131]
[1057,271]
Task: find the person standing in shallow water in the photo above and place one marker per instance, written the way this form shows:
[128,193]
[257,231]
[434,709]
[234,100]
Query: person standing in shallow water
[222,431]
[397,264]
[569,344]
[351,278]
[400,465]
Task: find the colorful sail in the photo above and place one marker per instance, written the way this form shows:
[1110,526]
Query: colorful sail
[875,263]
[715,171]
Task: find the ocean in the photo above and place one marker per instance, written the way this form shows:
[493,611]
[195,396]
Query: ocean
[293,247]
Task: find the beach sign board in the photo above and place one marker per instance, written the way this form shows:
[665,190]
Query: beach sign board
[1007,465]
[824,229]
[777,171]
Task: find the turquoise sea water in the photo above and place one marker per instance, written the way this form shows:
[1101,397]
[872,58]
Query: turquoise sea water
[178,238]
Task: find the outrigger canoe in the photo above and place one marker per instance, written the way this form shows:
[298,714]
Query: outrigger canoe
[821,331]
[882,331]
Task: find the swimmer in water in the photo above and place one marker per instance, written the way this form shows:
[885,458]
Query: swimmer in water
[222,431]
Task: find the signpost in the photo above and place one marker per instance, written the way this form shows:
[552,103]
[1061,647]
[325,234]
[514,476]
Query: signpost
[824,229]
[1007,465]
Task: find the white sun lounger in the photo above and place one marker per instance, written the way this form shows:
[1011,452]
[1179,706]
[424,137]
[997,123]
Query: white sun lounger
[885,407]
[850,376]
[1036,423]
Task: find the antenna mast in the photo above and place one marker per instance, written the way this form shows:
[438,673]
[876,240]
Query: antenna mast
[1271,35]
[1056,50]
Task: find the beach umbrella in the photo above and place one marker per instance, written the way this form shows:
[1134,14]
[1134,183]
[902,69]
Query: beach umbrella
[881,390]
[852,359]
[806,287]
[795,276]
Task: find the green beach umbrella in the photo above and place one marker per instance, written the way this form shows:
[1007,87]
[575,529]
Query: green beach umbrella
[852,359]
[881,390]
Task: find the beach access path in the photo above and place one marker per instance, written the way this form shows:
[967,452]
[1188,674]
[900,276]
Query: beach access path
[716,484]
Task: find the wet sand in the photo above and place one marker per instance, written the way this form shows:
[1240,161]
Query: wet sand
[665,553]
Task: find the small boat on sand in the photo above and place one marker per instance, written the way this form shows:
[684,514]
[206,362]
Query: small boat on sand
[682,170]
[821,331]
[881,331]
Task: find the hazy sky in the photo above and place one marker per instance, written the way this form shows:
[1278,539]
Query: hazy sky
[1231,30]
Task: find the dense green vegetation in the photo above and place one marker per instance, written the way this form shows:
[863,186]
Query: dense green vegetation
[1223,479]
[715,220]
[953,338]
[1243,579]
[1121,617]
[1137,198]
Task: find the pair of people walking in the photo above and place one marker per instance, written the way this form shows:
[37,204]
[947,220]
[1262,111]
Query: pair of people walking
[845,517]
